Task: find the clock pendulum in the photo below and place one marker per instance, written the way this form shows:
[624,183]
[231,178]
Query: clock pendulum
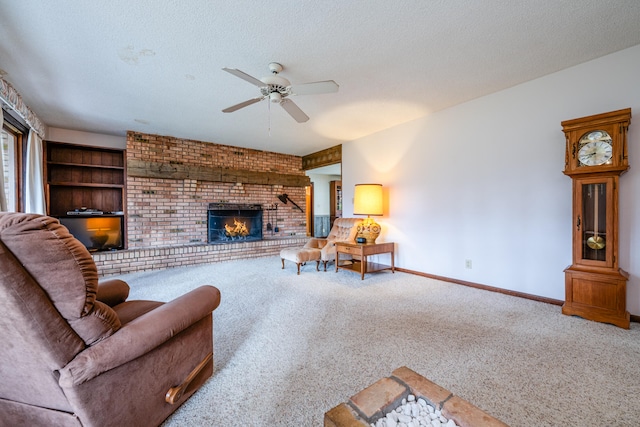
[596,241]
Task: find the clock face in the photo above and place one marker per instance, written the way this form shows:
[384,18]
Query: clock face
[595,149]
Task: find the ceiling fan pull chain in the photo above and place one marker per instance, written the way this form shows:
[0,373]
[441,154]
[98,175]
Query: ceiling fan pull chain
[269,107]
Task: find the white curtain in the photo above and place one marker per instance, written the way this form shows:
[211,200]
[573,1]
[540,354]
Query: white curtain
[3,197]
[34,180]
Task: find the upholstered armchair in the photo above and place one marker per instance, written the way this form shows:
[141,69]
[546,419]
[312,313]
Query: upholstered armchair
[76,353]
[343,230]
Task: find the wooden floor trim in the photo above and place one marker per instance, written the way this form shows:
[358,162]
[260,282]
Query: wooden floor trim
[553,301]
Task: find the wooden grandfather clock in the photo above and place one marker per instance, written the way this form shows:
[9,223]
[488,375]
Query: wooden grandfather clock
[595,157]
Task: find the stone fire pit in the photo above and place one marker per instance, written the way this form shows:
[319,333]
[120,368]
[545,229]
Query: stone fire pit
[375,401]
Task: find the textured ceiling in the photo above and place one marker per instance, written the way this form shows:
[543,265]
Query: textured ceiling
[156,66]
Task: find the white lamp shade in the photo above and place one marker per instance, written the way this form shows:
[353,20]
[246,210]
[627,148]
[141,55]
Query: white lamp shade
[367,199]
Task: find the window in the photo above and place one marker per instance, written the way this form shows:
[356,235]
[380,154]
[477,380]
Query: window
[8,167]
[12,146]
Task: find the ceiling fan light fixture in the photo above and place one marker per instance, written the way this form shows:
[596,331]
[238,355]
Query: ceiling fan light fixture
[275,97]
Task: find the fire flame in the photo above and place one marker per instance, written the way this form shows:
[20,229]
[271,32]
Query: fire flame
[239,228]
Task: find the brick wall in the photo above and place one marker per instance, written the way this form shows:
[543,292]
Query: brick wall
[167,218]
[173,212]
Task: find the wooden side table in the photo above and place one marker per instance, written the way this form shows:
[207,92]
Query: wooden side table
[363,250]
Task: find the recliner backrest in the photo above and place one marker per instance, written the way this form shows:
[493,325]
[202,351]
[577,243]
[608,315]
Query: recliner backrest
[63,268]
[344,229]
[36,340]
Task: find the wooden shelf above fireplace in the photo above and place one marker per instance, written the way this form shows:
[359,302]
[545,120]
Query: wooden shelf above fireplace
[144,169]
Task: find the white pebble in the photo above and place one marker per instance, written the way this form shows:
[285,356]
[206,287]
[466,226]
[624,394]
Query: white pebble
[414,412]
[404,418]
[390,422]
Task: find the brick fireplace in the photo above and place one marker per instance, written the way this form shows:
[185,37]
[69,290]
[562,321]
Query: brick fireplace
[172,182]
[232,222]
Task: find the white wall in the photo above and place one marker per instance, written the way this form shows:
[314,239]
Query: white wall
[86,138]
[483,181]
[321,193]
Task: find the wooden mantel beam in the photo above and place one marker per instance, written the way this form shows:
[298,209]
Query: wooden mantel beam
[177,170]
[330,156]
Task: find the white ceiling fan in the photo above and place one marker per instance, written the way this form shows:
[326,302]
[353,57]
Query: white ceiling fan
[277,89]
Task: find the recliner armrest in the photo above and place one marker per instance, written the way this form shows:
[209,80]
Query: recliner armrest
[329,248]
[141,335]
[112,292]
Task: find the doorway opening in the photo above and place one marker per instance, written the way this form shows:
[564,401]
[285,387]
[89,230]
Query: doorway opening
[324,199]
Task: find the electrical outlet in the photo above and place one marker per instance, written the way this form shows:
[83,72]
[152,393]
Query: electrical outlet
[467,264]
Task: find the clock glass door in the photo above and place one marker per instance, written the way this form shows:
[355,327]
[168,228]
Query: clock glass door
[594,227]
[594,237]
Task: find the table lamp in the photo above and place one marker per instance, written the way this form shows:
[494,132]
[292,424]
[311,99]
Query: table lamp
[367,200]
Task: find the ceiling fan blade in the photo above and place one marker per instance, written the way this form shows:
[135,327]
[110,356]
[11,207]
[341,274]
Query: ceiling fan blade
[244,76]
[242,105]
[327,86]
[294,111]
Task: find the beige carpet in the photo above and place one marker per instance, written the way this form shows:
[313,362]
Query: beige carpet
[288,347]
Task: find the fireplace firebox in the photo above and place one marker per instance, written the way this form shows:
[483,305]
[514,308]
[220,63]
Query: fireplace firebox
[229,222]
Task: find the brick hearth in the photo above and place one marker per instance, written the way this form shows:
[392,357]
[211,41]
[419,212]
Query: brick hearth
[133,260]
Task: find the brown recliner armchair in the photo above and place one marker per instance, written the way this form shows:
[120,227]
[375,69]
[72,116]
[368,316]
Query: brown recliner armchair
[343,230]
[76,353]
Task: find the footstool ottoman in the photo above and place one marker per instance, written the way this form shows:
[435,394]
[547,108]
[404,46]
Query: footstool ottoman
[301,256]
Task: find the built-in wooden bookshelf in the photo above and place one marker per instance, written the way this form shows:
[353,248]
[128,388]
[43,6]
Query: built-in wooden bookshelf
[335,201]
[80,176]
